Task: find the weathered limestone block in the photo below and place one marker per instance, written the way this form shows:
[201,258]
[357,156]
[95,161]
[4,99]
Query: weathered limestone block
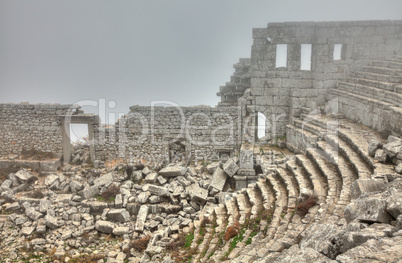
[394,205]
[218,180]
[64,198]
[104,226]
[51,179]
[96,207]
[173,171]
[393,146]
[141,218]
[27,231]
[151,178]
[198,195]
[361,186]
[319,237]
[246,160]
[156,190]
[23,176]
[120,231]
[398,168]
[211,168]
[104,180]
[199,169]
[380,155]
[301,255]
[142,198]
[373,146]
[33,214]
[382,251]
[90,191]
[367,209]
[118,215]
[230,167]
[51,222]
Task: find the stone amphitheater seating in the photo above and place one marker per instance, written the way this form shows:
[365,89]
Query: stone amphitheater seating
[333,154]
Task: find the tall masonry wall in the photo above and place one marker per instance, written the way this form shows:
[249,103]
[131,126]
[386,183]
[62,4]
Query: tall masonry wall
[147,133]
[32,126]
[280,92]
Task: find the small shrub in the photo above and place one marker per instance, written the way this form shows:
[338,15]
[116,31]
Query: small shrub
[232,231]
[37,194]
[110,193]
[140,244]
[305,205]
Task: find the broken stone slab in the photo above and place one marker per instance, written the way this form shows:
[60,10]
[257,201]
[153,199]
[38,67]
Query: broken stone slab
[211,168]
[44,205]
[373,146]
[156,190]
[118,215]
[142,198]
[12,207]
[380,155]
[120,231]
[76,186]
[8,196]
[398,168]
[33,214]
[394,205]
[361,186]
[151,178]
[104,226]
[199,169]
[367,210]
[90,191]
[96,207]
[319,237]
[118,202]
[137,176]
[23,176]
[141,218]
[27,231]
[146,170]
[64,198]
[51,222]
[173,171]
[51,179]
[218,179]
[230,167]
[298,255]
[38,242]
[198,195]
[6,185]
[161,180]
[104,181]
[393,146]
[381,250]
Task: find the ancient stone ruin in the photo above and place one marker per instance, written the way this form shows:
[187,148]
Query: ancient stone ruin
[318,181]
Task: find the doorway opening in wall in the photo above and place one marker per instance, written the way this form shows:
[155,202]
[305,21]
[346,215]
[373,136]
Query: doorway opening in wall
[79,140]
[337,51]
[281,55]
[261,125]
[305,57]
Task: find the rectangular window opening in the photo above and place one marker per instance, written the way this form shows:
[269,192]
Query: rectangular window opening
[305,57]
[337,51]
[79,134]
[281,55]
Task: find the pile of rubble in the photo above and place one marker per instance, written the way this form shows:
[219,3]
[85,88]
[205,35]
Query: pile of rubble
[391,151]
[73,213]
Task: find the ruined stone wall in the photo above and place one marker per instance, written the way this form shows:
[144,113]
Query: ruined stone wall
[238,84]
[279,93]
[31,126]
[146,132]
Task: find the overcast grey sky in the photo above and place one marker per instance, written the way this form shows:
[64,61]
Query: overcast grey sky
[132,52]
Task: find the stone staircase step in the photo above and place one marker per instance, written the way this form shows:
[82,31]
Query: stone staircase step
[291,186]
[244,207]
[328,171]
[382,85]
[358,164]
[386,64]
[303,139]
[303,181]
[256,200]
[371,92]
[319,185]
[375,76]
[233,211]
[266,192]
[384,70]
[306,126]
